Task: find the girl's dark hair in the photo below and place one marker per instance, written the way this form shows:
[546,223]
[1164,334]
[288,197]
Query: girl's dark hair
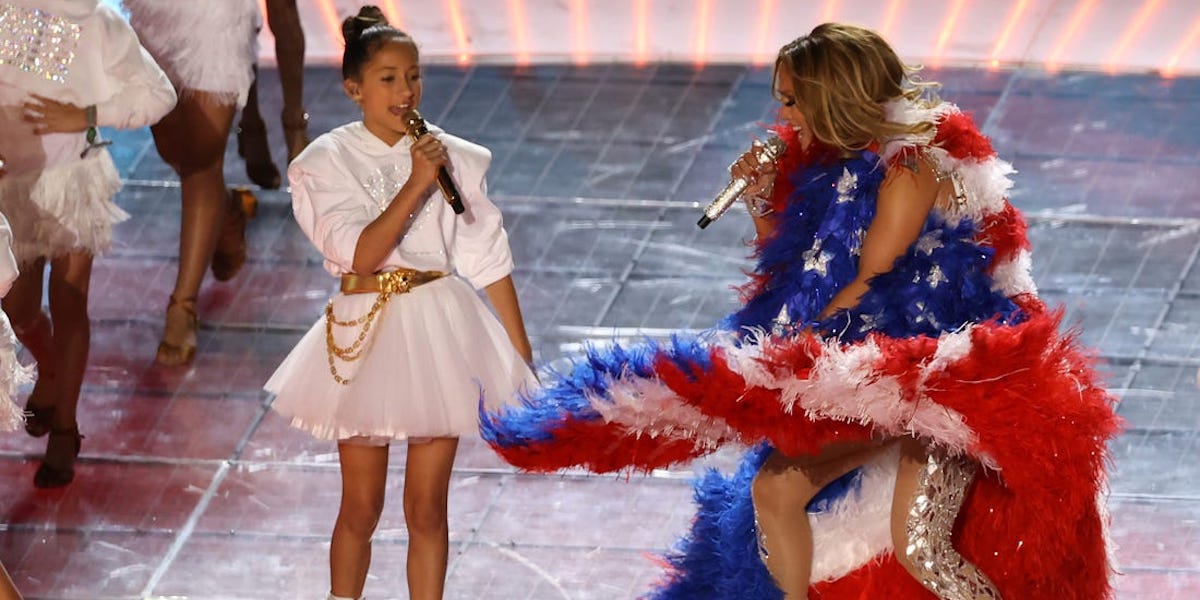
[364,34]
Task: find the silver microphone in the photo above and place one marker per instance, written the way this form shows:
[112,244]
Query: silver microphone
[765,154]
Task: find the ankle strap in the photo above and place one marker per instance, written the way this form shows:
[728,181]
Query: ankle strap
[332,597]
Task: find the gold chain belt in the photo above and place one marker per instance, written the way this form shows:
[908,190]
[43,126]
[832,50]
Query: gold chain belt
[384,285]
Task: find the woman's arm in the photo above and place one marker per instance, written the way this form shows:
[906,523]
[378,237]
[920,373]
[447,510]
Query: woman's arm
[905,199]
[381,236]
[503,296]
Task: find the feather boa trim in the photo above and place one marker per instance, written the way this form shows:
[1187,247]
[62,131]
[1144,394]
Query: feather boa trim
[12,376]
[63,208]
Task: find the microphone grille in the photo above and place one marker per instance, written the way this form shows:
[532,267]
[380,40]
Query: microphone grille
[413,120]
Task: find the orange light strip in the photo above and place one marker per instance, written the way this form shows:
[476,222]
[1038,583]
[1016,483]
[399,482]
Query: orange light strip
[330,16]
[640,27]
[1172,64]
[516,18]
[393,14]
[1135,27]
[460,31]
[703,17]
[889,19]
[947,30]
[579,38]
[1081,12]
[766,10]
[1014,16]
[830,11]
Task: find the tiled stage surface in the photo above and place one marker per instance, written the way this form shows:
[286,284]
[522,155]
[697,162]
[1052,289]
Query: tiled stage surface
[189,488]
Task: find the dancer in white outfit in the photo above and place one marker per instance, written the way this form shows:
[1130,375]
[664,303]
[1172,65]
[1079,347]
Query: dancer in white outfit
[66,67]
[208,50]
[12,373]
[406,350]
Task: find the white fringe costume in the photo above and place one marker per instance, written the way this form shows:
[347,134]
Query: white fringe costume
[208,46]
[12,374]
[82,53]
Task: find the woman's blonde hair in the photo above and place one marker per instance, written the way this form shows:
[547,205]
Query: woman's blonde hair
[842,76]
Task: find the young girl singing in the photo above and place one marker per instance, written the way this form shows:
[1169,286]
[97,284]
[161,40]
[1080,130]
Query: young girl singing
[405,351]
[68,66]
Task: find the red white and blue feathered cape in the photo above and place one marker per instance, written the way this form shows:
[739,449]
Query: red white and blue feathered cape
[952,346]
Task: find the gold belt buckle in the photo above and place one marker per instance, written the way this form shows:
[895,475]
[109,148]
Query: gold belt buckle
[400,282]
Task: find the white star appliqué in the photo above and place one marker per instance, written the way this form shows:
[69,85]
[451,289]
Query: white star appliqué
[817,260]
[846,186]
[928,243]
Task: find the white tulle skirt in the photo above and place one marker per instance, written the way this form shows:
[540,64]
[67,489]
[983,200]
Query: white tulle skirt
[432,354]
[63,208]
[12,375]
[209,46]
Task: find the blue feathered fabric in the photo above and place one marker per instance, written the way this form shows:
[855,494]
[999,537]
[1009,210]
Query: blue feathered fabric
[939,285]
[567,393]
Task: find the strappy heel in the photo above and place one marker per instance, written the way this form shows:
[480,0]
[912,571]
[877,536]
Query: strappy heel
[295,133]
[58,465]
[256,152]
[173,354]
[230,254]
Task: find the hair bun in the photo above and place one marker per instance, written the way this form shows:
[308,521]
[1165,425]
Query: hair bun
[368,16]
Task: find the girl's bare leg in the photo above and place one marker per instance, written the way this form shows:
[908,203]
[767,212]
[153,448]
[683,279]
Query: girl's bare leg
[781,492]
[364,480]
[426,490]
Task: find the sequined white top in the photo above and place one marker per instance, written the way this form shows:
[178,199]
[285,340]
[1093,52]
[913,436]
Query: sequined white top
[75,51]
[346,178]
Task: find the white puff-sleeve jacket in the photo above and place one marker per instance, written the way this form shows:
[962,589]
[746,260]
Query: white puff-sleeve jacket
[345,179]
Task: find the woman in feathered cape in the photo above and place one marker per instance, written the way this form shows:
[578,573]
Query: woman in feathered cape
[919,428]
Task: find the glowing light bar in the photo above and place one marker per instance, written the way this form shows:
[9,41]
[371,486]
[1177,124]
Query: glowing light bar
[947,31]
[516,17]
[579,37]
[1131,32]
[1014,16]
[640,27]
[393,14]
[460,31]
[889,19]
[330,16]
[766,10]
[1081,12]
[1169,69]
[830,11]
[703,18]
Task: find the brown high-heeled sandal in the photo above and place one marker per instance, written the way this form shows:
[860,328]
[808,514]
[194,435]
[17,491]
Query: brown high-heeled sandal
[295,133]
[230,254]
[37,338]
[58,464]
[255,150]
[173,354]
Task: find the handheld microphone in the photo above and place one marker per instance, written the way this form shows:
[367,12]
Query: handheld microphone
[765,154]
[416,129]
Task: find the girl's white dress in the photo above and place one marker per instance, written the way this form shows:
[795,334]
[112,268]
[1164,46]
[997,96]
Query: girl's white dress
[203,45]
[12,374]
[434,351]
[84,53]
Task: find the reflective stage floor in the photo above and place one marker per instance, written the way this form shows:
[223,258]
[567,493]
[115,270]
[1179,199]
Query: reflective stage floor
[188,486]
